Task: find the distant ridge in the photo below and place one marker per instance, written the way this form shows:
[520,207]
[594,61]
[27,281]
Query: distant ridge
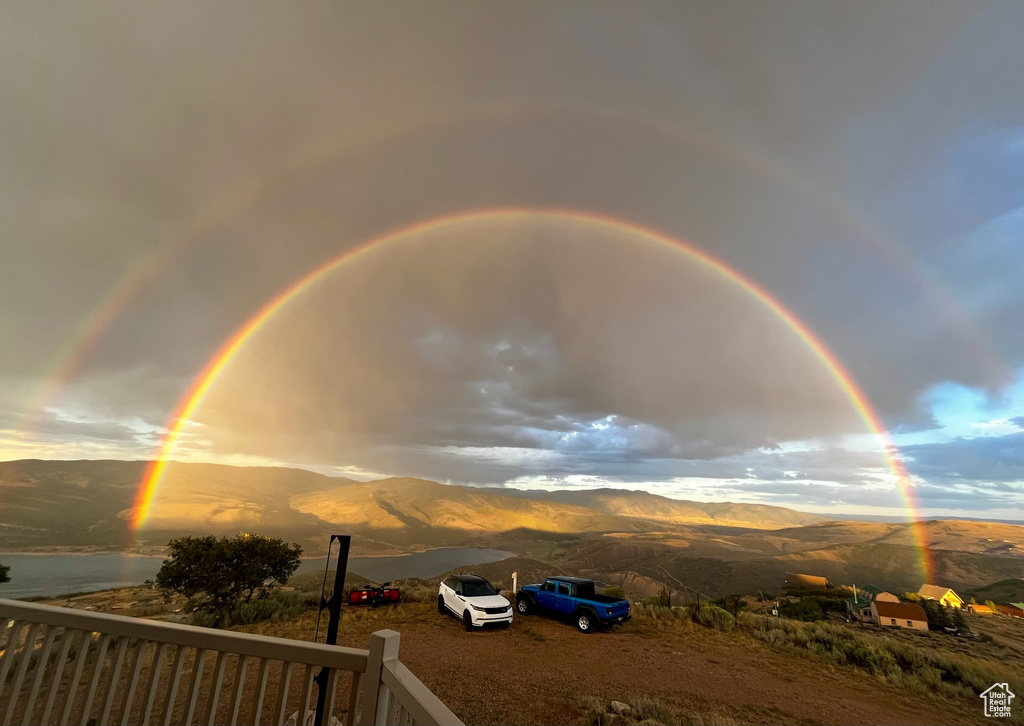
[87,504]
[646,505]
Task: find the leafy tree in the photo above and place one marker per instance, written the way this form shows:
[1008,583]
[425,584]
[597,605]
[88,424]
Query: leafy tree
[219,572]
[4,576]
[992,606]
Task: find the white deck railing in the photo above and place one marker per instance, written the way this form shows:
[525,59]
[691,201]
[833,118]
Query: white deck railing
[65,666]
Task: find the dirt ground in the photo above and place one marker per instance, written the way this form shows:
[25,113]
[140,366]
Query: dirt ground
[543,671]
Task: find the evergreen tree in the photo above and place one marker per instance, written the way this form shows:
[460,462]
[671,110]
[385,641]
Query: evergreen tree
[959,622]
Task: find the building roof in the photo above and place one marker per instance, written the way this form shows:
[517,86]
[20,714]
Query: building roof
[900,610]
[795,580]
[861,601]
[871,589]
[1018,605]
[935,592]
[981,608]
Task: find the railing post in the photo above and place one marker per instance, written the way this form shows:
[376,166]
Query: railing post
[383,647]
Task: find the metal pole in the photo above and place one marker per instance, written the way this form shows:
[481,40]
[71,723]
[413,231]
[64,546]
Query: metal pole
[333,606]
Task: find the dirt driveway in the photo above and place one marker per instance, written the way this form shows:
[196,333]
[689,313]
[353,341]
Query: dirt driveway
[543,671]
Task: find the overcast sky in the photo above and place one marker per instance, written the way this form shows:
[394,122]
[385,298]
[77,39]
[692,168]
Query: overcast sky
[863,162]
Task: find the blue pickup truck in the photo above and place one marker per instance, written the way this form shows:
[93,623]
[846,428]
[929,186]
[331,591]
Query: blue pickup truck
[576,598]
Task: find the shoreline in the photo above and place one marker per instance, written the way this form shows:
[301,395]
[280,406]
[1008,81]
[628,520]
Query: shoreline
[121,553]
[73,553]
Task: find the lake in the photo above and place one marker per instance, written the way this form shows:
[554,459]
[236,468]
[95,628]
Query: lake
[421,564]
[49,575]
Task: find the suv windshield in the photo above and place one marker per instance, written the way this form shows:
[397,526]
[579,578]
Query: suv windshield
[478,589]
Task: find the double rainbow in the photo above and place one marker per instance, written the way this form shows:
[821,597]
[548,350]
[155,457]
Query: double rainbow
[215,367]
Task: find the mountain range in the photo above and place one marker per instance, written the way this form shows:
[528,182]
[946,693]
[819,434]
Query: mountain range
[632,537]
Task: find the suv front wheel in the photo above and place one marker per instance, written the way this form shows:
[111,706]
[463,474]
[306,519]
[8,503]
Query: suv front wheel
[523,606]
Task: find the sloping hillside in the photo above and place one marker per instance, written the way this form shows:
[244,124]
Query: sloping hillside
[1010,590]
[46,504]
[417,503]
[645,505]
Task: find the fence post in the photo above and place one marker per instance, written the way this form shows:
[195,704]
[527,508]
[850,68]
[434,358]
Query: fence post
[383,647]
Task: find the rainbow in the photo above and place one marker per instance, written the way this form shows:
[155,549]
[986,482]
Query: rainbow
[71,359]
[215,367]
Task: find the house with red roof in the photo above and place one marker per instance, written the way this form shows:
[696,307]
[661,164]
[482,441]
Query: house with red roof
[907,615]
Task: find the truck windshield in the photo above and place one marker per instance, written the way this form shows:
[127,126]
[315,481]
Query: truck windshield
[478,589]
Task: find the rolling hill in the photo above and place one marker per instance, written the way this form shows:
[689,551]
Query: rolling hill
[634,538]
[88,504]
[1010,590]
[645,505]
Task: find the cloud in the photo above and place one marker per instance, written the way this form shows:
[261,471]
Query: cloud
[991,460]
[243,151]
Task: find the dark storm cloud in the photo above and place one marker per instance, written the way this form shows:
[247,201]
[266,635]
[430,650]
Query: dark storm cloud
[834,153]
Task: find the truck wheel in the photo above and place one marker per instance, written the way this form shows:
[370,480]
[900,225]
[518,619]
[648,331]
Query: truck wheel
[585,621]
[523,606]
[467,619]
[440,606]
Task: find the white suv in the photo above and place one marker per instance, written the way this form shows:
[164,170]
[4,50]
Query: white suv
[473,599]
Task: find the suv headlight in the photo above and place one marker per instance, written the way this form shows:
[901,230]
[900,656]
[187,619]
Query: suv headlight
[479,609]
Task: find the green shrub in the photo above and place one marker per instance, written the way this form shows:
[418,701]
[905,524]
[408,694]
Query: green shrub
[731,603]
[615,592]
[662,599]
[806,609]
[712,616]
[275,606]
[205,618]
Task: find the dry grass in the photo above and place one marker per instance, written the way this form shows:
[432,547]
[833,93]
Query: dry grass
[654,712]
[920,666]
